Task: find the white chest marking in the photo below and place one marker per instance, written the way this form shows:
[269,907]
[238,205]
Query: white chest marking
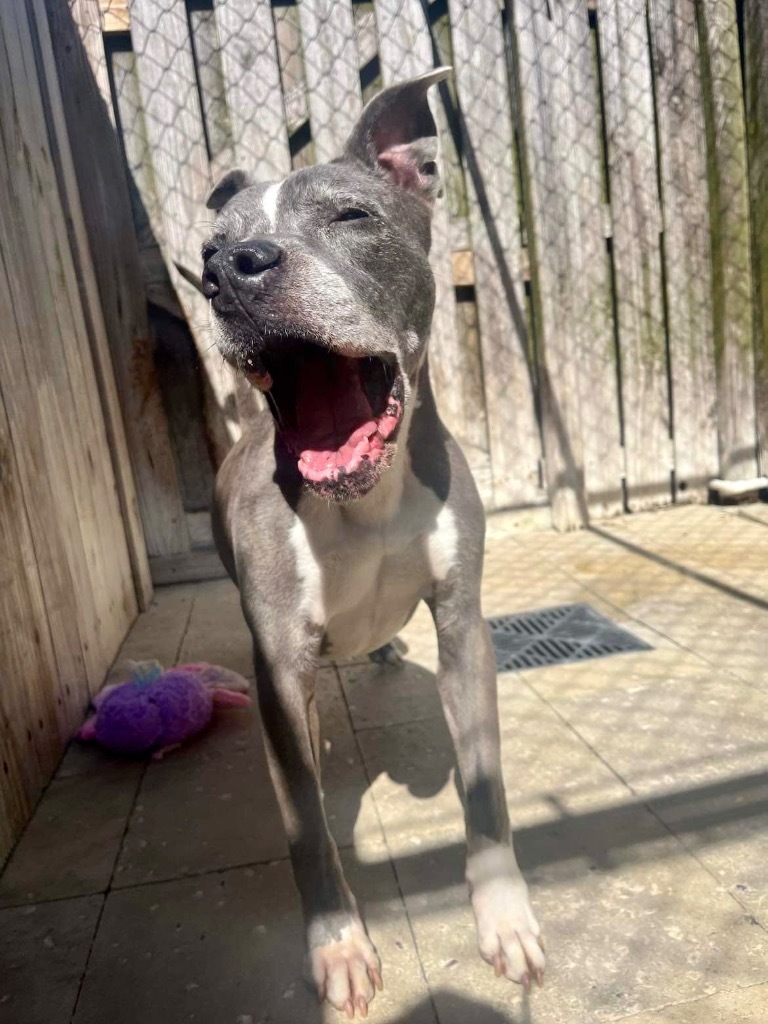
[310,574]
[442,543]
[269,203]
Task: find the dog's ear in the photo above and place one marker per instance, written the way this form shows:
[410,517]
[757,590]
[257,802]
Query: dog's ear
[228,186]
[396,135]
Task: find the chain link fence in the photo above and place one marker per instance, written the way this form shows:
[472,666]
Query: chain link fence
[596,251]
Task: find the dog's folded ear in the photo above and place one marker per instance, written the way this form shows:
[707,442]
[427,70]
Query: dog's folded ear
[227,186]
[396,134]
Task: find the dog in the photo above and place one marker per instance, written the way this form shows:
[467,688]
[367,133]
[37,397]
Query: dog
[348,502]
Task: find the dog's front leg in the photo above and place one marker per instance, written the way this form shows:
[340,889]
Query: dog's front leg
[507,931]
[343,962]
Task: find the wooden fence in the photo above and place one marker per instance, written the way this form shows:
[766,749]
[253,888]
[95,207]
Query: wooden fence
[73,566]
[600,254]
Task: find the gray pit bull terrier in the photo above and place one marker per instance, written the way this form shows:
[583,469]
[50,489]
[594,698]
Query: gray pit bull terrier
[349,502]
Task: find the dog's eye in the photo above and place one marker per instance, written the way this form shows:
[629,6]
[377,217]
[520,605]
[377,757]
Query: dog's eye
[353,213]
[208,251]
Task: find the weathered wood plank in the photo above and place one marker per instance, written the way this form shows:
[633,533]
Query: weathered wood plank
[685,212]
[58,357]
[252,81]
[331,68]
[78,274]
[110,272]
[205,37]
[487,143]
[729,220]
[28,680]
[636,227]
[115,15]
[572,301]
[756,74]
[174,131]
[405,50]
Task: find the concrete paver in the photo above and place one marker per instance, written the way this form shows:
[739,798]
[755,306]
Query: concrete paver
[637,786]
[43,952]
[71,844]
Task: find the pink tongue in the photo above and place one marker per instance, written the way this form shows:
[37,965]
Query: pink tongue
[334,413]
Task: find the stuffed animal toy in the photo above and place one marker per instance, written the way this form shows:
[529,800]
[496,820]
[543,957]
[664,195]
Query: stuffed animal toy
[157,711]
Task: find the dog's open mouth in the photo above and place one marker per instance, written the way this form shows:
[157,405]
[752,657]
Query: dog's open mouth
[336,414]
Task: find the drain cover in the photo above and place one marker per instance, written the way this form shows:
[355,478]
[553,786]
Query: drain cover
[553,636]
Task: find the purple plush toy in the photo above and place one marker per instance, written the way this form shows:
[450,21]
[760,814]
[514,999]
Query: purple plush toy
[157,711]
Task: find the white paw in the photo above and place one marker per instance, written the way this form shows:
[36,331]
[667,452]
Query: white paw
[508,934]
[347,971]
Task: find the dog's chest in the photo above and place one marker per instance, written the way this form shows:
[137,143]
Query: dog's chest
[361,583]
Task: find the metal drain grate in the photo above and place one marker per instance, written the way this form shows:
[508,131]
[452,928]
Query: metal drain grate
[553,636]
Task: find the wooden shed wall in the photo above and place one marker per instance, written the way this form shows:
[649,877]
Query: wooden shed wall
[72,564]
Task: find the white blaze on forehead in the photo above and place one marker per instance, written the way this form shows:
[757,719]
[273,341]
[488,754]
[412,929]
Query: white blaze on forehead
[269,203]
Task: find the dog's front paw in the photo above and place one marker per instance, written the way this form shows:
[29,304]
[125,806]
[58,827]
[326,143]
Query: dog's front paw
[508,934]
[346,968]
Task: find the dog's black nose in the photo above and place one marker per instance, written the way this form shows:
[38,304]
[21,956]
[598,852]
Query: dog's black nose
[252,257]
[211,286]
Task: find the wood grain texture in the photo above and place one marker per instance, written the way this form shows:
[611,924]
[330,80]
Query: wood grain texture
[28,680]
[331,66]
[252,82]
[487,143]
[730,236]
[685,210]
[210,70]
[569,264]
[405,51]
[109,267]
[636,226]
[180,173]
[67,591]
[756,75]
[64,379]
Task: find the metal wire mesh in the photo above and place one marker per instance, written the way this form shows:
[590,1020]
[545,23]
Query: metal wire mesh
[594,339]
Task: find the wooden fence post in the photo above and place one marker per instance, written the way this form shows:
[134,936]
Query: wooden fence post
[687,256]
[729,218]
[756,73]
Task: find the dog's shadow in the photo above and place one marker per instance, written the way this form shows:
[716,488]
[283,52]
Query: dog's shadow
[399,731]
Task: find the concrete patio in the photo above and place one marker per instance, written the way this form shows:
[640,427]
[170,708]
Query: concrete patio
[638,784]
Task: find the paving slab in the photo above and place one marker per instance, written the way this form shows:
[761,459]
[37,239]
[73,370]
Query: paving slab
[70,846]
[693,746]
[739,1006]
[623,934]
[217,631]
[228,948]
[43,952]
[158,633]
[207,806]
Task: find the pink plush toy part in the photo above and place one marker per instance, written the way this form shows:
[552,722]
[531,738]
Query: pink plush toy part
[157,711]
